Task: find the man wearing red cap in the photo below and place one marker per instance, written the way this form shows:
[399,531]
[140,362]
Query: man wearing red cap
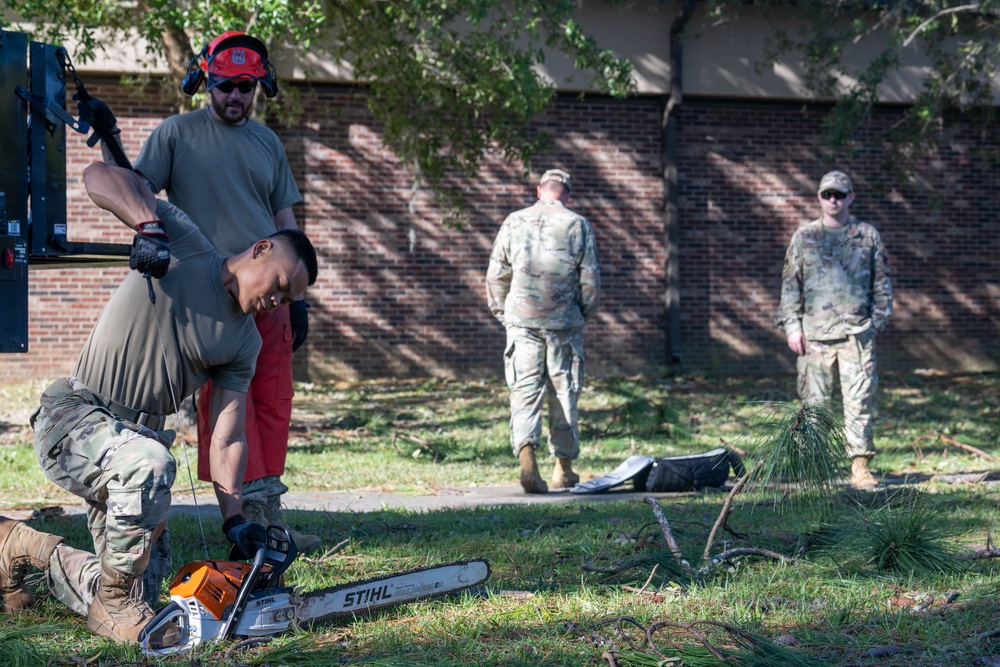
[230,173]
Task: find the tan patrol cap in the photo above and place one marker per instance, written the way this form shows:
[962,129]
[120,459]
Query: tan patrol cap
[557,175]
[836,180]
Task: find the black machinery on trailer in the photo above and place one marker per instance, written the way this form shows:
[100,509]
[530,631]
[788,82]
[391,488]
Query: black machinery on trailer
[33,226]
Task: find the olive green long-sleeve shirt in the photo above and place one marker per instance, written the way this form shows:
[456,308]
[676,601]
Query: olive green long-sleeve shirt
[835,283]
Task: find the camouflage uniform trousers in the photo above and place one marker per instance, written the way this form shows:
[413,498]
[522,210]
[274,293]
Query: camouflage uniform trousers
[260,489]
[536,360]
[854,358]
[124,472]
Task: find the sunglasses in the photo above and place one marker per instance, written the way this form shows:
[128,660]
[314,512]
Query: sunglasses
[243,86]
[834,194]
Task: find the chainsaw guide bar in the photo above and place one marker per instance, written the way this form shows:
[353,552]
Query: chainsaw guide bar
[420,583]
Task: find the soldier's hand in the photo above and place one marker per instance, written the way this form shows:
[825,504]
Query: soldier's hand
[150,249]
[797,343]
[247,538]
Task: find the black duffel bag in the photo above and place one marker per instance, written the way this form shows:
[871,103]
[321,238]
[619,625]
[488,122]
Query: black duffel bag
[675,474]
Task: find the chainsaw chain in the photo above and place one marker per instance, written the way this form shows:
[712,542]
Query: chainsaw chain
[364,582]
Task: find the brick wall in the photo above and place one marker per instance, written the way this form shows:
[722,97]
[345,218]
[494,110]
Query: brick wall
[399,295]
[748,174]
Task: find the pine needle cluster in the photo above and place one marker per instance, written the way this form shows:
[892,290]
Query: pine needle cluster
[798,447]
[17,649]
[906,535]
[302,651]
[762,652]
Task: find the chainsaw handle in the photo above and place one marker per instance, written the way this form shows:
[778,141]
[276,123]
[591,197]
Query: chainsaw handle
[169,614]
[241,596]
[281,552]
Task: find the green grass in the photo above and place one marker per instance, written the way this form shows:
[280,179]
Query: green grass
[566,579]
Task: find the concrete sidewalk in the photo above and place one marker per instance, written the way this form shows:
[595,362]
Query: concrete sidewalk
[369,500]
[436,499]
[373,500]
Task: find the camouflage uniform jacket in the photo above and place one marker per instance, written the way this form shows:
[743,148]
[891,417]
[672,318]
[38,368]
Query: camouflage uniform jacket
[543,271]
[833,287]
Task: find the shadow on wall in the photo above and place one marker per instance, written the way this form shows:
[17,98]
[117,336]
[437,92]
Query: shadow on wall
[748,180]
[401,295]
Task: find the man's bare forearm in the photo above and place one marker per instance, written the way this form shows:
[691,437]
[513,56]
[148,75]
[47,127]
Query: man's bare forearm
[120,192]
[227,456]
[228,465]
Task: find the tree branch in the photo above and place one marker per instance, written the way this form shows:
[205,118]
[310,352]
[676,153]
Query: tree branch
[982,554]
[668,534]
[727,508]
[943,12]
[968,448]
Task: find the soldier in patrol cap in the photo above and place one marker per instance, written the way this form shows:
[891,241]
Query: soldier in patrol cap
[543,284]
[836,297]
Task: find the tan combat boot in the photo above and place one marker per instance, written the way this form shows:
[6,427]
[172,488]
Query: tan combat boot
[119,612]
[531,481]
[255,511]
[20,547]
[861,476]
[563,476]
[304,543]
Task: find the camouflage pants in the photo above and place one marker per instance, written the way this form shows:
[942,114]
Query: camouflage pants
[260,489]
[124,473]
[537,361]
[854,358]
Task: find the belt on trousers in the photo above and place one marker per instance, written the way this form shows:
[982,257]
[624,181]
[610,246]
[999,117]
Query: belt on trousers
[140,417]
[124,412]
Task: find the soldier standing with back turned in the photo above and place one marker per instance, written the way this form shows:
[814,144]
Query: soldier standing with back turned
[543,283]
[836,296]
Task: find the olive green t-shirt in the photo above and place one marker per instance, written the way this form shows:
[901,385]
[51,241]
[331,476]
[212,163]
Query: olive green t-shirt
[229,179]
[205,334]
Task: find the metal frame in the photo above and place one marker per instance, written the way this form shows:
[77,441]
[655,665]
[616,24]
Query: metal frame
[33,225]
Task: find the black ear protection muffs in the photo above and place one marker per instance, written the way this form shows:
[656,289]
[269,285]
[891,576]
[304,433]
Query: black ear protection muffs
[199,66]
[195,74]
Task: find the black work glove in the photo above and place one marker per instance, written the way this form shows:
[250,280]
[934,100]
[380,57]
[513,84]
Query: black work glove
[98,115]
[298,314]
[247,538]
[150,249]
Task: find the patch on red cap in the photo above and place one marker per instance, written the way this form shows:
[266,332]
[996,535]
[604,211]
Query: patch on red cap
[236,62]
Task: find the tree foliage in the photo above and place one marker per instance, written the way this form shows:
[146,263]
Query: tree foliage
[959,38]
[448,79]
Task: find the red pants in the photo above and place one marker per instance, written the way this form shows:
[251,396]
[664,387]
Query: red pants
[269,402]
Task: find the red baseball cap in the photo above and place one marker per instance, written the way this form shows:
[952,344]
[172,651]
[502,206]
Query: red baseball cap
[236,55]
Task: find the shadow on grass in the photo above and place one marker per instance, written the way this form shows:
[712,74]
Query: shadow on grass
[573,561]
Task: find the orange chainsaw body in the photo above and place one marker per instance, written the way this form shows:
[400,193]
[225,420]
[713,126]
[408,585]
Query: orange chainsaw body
[214,583]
